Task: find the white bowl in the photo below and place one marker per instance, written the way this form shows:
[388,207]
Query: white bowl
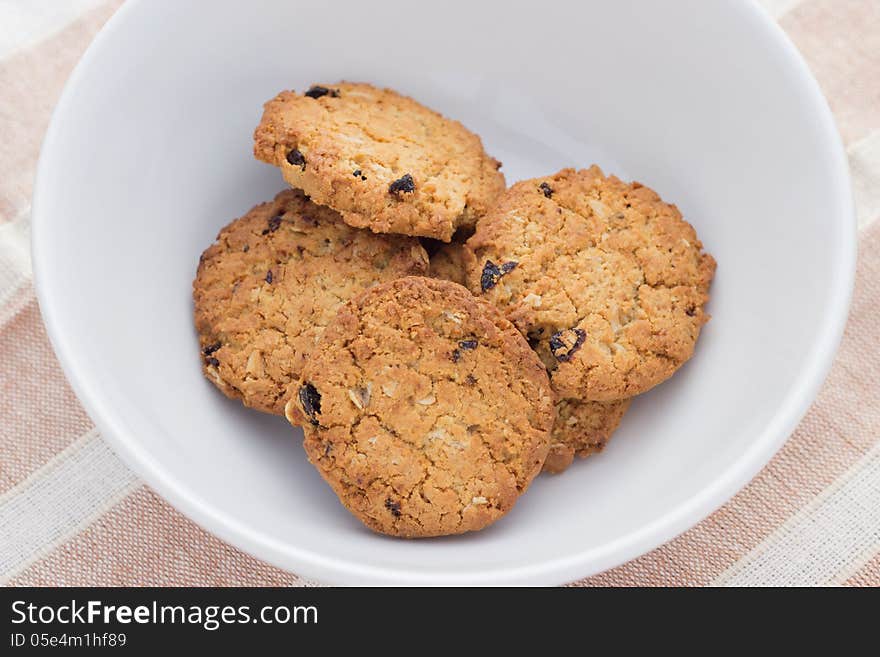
[149,154]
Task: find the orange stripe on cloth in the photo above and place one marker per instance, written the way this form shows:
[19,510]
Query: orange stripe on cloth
[144,542]
[39,414]
[842,426]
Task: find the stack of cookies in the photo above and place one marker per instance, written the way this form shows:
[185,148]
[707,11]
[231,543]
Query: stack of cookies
[440,338]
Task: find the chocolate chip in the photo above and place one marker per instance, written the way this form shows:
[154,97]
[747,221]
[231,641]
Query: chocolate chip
[691,311]
[274,223]
[464,345]
[297,159]
[211,348]
[547,189]
[212,361]
[470,380]
[310,400]
[489,277]
[356,173]
[564,343]
[316,91]
[403,184]
[393,506]
[269,276]
[492,273]
[247,247]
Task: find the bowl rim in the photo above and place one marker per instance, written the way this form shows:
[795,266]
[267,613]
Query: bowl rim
[581,564]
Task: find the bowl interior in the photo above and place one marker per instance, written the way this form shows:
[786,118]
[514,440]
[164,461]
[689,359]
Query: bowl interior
[149,154]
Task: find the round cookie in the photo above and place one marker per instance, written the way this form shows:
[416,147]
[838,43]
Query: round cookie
[381,159]
[270,283]
[451,262]
[429,414]
[581,429]
[606,280]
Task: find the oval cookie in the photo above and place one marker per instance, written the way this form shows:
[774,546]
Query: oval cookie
[429,414]
[607,281]
[381,159]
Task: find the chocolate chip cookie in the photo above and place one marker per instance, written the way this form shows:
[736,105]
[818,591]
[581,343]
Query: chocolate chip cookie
[381,159]
[427,411]
[581,429]
[270,283]
[606,280]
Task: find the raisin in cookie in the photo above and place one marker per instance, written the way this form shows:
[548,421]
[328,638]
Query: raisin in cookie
[270,283]
[428,413]
[451,262]
[381,159]
[606,280]
[581,429]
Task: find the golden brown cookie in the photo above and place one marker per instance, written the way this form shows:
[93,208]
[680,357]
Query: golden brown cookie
[381,159]
[581,429]
[270,283]
[428,413]
[607,281]
[451,262]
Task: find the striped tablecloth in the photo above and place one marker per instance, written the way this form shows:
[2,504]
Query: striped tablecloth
[71,513]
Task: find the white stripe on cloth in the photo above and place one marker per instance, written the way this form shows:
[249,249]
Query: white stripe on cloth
[32,21]
[864,165]
[837,531]
[57,501]
[778,8]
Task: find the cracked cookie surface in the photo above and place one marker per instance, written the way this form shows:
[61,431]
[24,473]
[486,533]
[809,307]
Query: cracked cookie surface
[581,429]
[270,283]
[428,412]
[381,159]
[606,280]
